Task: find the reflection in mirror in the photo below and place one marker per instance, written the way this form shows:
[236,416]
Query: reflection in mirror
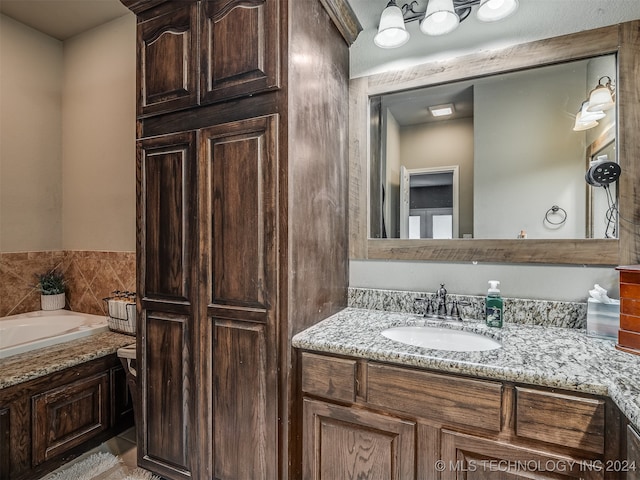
[602,198]
[511,141]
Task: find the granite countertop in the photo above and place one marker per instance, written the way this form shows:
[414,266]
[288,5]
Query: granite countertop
[37,363]
[546,356]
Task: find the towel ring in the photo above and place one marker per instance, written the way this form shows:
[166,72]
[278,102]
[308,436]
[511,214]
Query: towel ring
[556,210]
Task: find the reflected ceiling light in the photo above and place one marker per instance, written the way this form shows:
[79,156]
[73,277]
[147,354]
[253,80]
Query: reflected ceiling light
[439,18]
[391,32]
[442,110]
[493,10]
[601,97]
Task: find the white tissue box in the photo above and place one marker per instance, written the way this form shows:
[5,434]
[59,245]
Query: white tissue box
[603,319]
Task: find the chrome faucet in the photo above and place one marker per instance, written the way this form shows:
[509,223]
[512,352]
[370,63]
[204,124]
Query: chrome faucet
[441,301]
[437,308]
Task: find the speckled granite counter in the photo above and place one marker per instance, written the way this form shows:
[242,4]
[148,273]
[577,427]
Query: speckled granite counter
[37,363]
[546,356]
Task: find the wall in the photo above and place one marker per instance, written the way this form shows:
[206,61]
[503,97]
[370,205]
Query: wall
[98,146]
[542,282]
[30,139]
[67,163]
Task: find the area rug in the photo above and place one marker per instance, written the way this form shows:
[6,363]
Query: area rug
[101,466]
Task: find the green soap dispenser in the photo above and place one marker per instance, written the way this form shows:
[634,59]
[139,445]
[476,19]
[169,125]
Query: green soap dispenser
[494,305]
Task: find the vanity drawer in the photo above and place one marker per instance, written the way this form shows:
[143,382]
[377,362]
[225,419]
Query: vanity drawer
[329,377]
[561,419]
[443,398]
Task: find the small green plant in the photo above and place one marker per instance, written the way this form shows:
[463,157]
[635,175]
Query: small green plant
[51,283]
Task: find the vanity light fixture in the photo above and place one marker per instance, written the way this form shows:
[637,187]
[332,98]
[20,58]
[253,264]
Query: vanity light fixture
[442,110]
[593,109]
[391,32]
[493,10]
[439,18]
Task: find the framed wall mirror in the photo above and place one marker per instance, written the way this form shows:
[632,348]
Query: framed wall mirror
[515,164]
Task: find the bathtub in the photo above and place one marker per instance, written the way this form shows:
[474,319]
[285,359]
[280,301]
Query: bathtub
[29,331]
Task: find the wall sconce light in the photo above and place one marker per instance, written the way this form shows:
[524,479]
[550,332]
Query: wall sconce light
[593,109]
[440,17]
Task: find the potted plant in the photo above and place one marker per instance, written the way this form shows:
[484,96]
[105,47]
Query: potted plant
[51,286]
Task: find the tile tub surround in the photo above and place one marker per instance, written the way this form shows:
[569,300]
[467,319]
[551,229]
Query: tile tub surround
[545,356]
[38,363]
[90,275]
[516,310]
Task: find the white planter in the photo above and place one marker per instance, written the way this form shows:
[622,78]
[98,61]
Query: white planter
[52,302]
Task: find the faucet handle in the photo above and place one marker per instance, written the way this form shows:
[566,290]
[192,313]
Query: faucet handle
[455,312]
[424,301]
[429,310]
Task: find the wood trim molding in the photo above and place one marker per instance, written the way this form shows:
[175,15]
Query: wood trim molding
[139,6]
[509,59]
[596,252]
[623,39]
[344,19]
[628,93]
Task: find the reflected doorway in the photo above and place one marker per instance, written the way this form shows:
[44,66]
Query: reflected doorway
[429,202]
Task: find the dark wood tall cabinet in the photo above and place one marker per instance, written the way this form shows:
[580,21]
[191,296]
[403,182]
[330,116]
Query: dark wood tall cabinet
[242,200]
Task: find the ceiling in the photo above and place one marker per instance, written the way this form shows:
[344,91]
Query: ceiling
[63,19]
[535,19]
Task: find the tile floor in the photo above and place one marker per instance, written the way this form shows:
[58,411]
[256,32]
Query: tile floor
[123,445]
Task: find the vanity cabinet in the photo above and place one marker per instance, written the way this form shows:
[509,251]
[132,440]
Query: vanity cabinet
[242,241]
[452,426]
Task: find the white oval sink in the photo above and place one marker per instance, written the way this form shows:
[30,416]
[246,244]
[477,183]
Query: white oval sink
[440,338]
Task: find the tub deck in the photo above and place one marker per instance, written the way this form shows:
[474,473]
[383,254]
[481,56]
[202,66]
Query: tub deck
[38,363]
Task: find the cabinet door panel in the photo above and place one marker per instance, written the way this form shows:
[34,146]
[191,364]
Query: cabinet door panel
[166,390]
[241,161]
[244,403]
[341,442]
[67,416]
[242,158]
[239,48]
[166,198]
[167,60]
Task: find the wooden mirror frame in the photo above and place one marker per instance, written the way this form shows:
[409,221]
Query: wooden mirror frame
[622,40]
